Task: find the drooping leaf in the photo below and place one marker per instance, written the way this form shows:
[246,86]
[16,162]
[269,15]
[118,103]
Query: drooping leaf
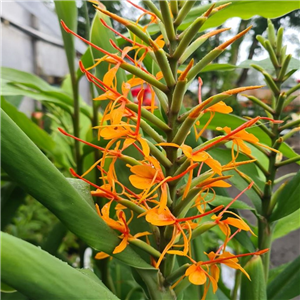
[38,275]
[286,285]
[83,189]
[40,137]
[288,199]
[36,174]
[15,83]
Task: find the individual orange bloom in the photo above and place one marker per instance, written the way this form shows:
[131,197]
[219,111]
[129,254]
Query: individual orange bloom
[121,225]
[147,175]
[237,222]
[207,186]
[219,107]
[198,157]
[241,137]
[207,272]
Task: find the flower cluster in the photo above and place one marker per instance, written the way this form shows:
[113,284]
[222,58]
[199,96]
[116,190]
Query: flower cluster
[162,178]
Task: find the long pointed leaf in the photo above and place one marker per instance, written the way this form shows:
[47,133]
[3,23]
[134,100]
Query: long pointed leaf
[286,284]
[40,276]
[29,168]
[67,11]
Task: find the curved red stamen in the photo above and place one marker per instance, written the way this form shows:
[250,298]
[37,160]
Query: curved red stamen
[202,215]
[80,140]
[193,166]
[238,129]
[218,260]
[94,185]
[140,97]
[68,30]
[121,35]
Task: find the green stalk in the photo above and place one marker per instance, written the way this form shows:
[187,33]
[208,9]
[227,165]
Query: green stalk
[167,19]
[188,35]
[160,156]
[290,124]
[293,89]
[183,12]
[153,8]
[265,242]
[174,7]
[149,130]
[175,275]
[144,246]
[260,103]
[207,59]
[76,123]
[165,67]
[288,161]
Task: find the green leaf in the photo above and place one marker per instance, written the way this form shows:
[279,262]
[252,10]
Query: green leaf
[288,199]
[87,60]
[13,296]
[83,189]
[6,288]
[15,82]
[286,285]
[244,239]
[224,157]
[67,11]
[38,275]
[36,174]
[12,196]
[55,238]
[221,200]
[286,225]
[244,9]
[254,289]
[267,64]
[273,273]
[40,137]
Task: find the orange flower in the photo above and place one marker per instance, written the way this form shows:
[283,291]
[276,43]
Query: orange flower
[196,157]
[121,225]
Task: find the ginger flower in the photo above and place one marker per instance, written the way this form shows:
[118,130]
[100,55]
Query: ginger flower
[121,225]
[203,157]
[241,137]
[207,272]
[237,222]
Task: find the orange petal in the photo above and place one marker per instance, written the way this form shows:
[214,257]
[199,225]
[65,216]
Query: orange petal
[198,277]
[145,146]
[215,165]
[237,223]
[121,246]
[140,182]
[143,171]
[101,255]
[161,218]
